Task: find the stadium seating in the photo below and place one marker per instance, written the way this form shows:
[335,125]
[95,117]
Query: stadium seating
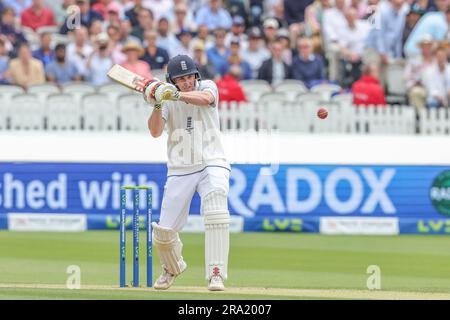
[98,113]
[42,91]
[326,90]
[291,89]
[62,113]
[254,89]
[26,113]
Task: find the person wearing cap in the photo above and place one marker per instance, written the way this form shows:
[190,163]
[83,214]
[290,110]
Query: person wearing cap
[214,15]
[270,30]
[79,50]
[166,39]
[37,15]
[432,23]
[183,47]
[60,70]
[235,58]
[99,62]
[87,16]
[204,66]
[146,22]
[237,32]
[436,79]
[134,51]
[219,53]
[414,69]
[155,56]
[256,53]
[274,70]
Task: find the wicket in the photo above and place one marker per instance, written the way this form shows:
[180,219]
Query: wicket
[136,212]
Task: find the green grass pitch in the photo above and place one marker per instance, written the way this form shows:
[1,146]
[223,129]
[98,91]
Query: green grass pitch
[261,266]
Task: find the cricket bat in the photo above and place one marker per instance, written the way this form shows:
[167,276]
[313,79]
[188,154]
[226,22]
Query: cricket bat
[126,78]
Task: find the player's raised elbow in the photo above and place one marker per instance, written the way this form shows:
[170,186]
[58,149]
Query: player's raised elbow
[155,132]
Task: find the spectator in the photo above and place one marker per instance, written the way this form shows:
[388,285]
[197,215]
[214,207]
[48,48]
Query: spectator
[60,70]
[294,11]
[278,14]
[413,16]
[95,29]
[161,8]
[125,30]
[115,45]
[17,6]
[37,16]
[183,47]
[132,13]
[360,7]
[218,54]
[352,48]
[166,39]
[155,56]
[384,43]
[13,36]
[255,54]
[414,69]
[99,62]
[214,16]
[79,50]
[433,23]
[134,51]
[87,16]
[283,37]
[229,87]
[235,58]
[4,60]
[204,36]
[436,79]
[183,20]
[145,18]
[205,67]
[275,70]
[237,33]
[313,22]
[334,28]
[306,66]
[270,30]
[44,53]
[24,70]
[60,10]
[101,7]
[367,90]
[112,15]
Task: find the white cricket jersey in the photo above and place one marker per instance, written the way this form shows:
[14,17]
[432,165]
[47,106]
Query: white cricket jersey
[193,134]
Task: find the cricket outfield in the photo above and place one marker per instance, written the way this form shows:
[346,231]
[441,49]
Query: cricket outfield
[262,266]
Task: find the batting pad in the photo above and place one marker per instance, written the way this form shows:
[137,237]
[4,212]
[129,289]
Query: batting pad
[217,235]
[168,242]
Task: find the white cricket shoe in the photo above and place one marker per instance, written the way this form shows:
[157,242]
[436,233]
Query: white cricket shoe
[216,283]
[166,279]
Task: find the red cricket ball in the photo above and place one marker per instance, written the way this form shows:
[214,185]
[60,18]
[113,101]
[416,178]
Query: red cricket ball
[322,113]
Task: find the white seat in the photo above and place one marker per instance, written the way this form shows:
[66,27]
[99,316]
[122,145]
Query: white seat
[26,112]
[78,90]
[113,91]
[7,91]
[133,113]
[98,114]
[254,89]
[159,74]
[345,99]
[42,91]
[291,88]
[62,112]
[326,90]
[273,96]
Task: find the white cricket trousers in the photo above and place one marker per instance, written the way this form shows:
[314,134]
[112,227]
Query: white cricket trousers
[179,190]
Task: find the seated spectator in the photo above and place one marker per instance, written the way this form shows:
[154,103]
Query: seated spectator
[160,8]
[79,50]
[87,16]
[17,6]
[204,36]
[132,13]
[134,51]
[414,69]
[37,16]
[314,21]
[237,33]
[214,15]
[95,29]
[275,70]
[229,87]
[235,58]
[256,53]
[99,62]
[25,70]
[413,16]
[112,15]
[360,7]
[60,70]
[432,23]
[184,44]
[115,45]
[145,18]
[367,90]
[4,61]
[166,39]
[436,80]
[278,14]
[13,36]
[44,53]
[155,56]
[218,54]
[125,35]
[183,19]
[283,37]
[101,7]
[352,48]
[270,30]
[205,67]
[306,66]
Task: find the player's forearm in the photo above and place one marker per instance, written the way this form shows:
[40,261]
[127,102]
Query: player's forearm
[156,123]
[198,98]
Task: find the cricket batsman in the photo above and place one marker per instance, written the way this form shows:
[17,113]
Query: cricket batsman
[188,108]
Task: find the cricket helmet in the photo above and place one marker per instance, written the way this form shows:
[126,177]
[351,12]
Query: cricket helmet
[179,66]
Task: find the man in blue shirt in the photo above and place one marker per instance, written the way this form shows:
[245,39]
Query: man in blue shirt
[306,66]
[59,70]
[219,54]
[214,16]
[44,52]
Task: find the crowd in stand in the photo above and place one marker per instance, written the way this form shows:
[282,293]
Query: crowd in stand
[348,42]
